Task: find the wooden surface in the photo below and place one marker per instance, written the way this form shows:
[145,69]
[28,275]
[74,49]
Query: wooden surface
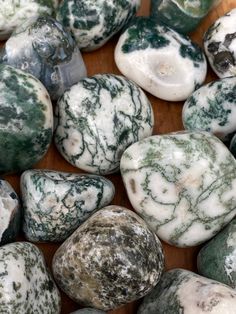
[167,119]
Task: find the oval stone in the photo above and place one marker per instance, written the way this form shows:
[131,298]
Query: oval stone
[182,184]
[26,120]
[182,291]
[217,259]
[26,285]
[42,47]
[93,23]
[10,213]
[220,45]
[56,203]
[212,108]
[112,259]
[88,311]
[164,63]
[98,118]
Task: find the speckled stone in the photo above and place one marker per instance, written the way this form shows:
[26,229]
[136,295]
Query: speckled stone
[94,22]
[182,184]
[181,291]
[181,15]
[88,311]
[10,213]
[164,63]
[232,146]
[220,45]
[14,13]
[42,47]
[217,259]
[212,108]
[26,120]
[26,285]
[112,259]
[98,118]
[56,203]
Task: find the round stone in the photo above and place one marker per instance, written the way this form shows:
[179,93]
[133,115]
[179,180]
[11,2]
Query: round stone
[94,22]
[26,120]
[164,63]
[98,118]
[42,47]
[220,45]
[110,260]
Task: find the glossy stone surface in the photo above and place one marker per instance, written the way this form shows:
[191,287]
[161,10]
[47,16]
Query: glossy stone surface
[94,22]
[112,259]
[26,285]
[42,47]
[98,118]
[88,311]
[181,291]
[182,184]
[26,120]
[181,15]
[232,146]
[14,13]
[217,259]
[56,203]
[10,213]
[220,45]
[164,63]
[212,108]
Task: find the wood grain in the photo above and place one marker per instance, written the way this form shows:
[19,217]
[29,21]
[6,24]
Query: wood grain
[167,119]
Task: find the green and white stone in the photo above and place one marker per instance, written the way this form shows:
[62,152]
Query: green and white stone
[56,203]
[26,285]
[182,184]
[180,291]
[164,63]
[94,22]
[10,213]
[212,108]
[181,15]
[88,311]
[232,146]
[26,120]
[110,260]
[98,118]
[220,45]
[217,259]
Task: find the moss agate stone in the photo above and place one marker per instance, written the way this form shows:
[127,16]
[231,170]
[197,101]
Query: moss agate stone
[181,15]
[212,108]
[110,260]
[98,118]
[26,285]
[42,47]
[182,184]
[217,259]
[164,63]
[182,291]
[10,213]
[88,311]
[26,120]
[56,203]
[220,45]
[94,22]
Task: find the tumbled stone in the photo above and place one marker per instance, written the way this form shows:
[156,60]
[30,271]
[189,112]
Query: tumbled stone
[164,63]
[26,120]
[110,260]
[212,108]
[26,285]
[14,13]
[88,311]
[217,259]
[98,118]
[94,22]
[182,184]
[182,291]
[10,213]
[181,15]
[42,47]
[56,203]
[232,146]
[220,45]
